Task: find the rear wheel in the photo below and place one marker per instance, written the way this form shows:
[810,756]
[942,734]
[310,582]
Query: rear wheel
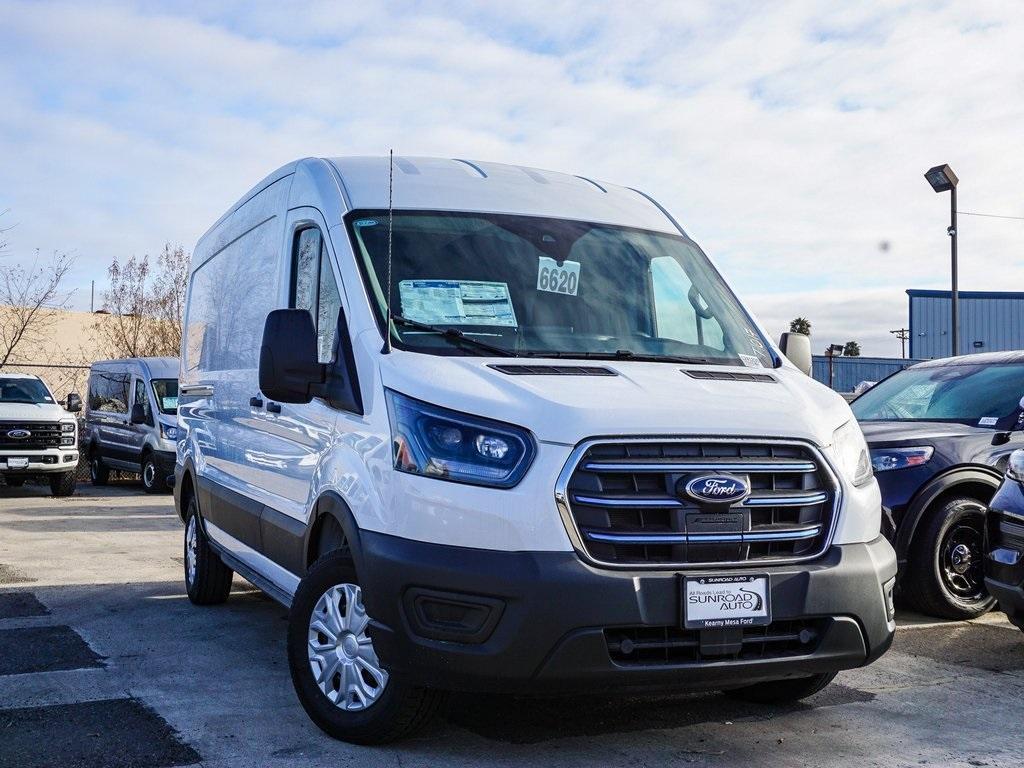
[63,484]
[338,678]
[151,480]
[945,577]
[99,473]
[207,579]
[782,691]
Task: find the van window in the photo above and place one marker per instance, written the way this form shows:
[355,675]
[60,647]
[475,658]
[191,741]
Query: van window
[141,399]
[680,312]
[315,289]
[109,392]
[230,297]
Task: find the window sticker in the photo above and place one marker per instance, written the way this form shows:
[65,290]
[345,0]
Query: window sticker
[457,302]
[988,421]
[167,403]
[366,223]
[551,277]
[751,361]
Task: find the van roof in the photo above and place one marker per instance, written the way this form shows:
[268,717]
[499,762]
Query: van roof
[14,375]
[155,367]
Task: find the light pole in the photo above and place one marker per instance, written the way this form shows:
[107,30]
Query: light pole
[942,179]
[830,352]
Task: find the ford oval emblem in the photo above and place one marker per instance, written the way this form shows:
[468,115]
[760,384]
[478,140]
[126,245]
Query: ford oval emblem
[718,489]
[18,434]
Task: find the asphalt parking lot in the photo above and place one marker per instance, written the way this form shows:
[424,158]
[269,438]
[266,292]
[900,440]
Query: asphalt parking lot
[104,662]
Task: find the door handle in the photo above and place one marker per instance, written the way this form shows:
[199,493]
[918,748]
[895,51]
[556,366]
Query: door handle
[273,408]
[256,402]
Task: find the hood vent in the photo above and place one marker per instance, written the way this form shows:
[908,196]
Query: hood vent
[766,378]
[554,370]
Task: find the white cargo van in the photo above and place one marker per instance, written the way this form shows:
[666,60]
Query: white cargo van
[513,433]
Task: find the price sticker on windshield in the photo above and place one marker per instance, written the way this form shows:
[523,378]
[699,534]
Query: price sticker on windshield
[558,278]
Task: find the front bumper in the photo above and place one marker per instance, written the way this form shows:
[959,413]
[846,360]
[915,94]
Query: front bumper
[534,622]
[50,460]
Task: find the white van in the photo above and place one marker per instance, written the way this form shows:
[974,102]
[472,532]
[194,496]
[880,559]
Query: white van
[514,433]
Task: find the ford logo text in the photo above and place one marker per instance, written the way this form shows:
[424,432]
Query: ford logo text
[18,434]
[718,489]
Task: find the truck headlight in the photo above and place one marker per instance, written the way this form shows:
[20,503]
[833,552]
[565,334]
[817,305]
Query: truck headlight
[850,451]
[68,433]
[167,432]
[885,459]
[1015,466]
[436,442]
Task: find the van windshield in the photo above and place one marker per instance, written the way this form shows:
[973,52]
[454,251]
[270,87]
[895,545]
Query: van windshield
[473,283]
[166,392]
[18,390]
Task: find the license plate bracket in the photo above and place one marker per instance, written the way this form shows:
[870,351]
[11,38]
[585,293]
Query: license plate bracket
[17,462]
[722,601]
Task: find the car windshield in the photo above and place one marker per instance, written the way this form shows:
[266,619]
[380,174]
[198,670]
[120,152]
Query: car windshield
[473,283]
[984,395]
[166,391]
[17,390]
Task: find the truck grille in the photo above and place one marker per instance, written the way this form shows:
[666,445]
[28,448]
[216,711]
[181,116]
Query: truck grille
[41,435]
[625,502]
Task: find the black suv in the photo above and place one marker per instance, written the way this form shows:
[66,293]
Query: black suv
[1004,566]
[940,435]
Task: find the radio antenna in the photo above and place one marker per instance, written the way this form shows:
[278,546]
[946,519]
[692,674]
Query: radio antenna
[387,302]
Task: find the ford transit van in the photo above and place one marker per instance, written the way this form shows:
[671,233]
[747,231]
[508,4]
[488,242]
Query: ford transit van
[492,428]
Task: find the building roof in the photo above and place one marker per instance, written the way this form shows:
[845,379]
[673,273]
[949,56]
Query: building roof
[919,293]
[981,358]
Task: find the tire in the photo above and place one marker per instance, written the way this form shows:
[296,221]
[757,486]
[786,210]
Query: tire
[15,482]
[782,691]
[151,481]
[99,473]
[207,579]
[945,573]
[63,484]
[381,706]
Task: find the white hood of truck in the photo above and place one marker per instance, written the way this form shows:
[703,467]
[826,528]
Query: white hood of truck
[642,399]
[32,412]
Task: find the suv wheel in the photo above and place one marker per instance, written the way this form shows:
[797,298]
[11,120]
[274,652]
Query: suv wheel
[207,579]
[151,480]
[945,575]
[99,473]
[63,484]
[782,691]
[338,678]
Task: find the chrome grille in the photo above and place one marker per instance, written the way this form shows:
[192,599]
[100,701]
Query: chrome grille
[621,501]
[41,435]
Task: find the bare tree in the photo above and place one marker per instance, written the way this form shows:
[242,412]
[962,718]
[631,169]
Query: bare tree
[29,292]
[145,306]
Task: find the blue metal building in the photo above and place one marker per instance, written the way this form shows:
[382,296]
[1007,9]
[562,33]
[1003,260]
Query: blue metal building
[990,321]
[848,372]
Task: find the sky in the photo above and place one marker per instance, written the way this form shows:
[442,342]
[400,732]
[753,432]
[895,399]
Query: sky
[788,138]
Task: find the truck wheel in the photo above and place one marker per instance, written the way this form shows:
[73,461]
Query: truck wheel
[945,576]
[782,691]
[63,484]
[338,678]
[99,474]
[151,480]
[207,579]
[15,482]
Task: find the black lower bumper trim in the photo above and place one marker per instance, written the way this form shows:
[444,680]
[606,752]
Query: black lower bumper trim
[558,614]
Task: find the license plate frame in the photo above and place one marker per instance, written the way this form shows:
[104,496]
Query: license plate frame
[17,462]
[700,614]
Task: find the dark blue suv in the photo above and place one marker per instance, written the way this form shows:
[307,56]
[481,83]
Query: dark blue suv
[940,435]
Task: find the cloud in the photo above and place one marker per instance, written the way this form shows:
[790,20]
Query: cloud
[789,138]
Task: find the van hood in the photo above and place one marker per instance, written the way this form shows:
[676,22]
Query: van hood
[642,398]
[32,412]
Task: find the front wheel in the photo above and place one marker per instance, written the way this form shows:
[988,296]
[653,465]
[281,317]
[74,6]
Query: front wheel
[945,576]
[15,482]
[782,691]
[63,484]
[151,480]
[338,678]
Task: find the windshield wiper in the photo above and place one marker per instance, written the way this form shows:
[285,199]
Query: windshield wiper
[455,335]
[619,354]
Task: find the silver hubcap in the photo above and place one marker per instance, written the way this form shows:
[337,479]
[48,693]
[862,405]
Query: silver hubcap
[341,654]
[148,474]
[190,550]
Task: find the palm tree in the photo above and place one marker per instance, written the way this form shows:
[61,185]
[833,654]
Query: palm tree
[800,325]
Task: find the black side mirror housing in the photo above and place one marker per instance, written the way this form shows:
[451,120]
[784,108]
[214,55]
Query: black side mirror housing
[73,403]
[138,415]
[288,357]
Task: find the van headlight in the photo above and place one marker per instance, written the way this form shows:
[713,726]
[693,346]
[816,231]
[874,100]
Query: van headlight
[435,442]
[850,450]
[168,432]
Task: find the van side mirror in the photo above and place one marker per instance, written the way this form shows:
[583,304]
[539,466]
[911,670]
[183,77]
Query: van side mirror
[797,348]
[288,357]
[73,403]
[138,415]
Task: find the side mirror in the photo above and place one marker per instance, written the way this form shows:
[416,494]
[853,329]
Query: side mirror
[73,403]
[289,370]
[138,415]
[797,348]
